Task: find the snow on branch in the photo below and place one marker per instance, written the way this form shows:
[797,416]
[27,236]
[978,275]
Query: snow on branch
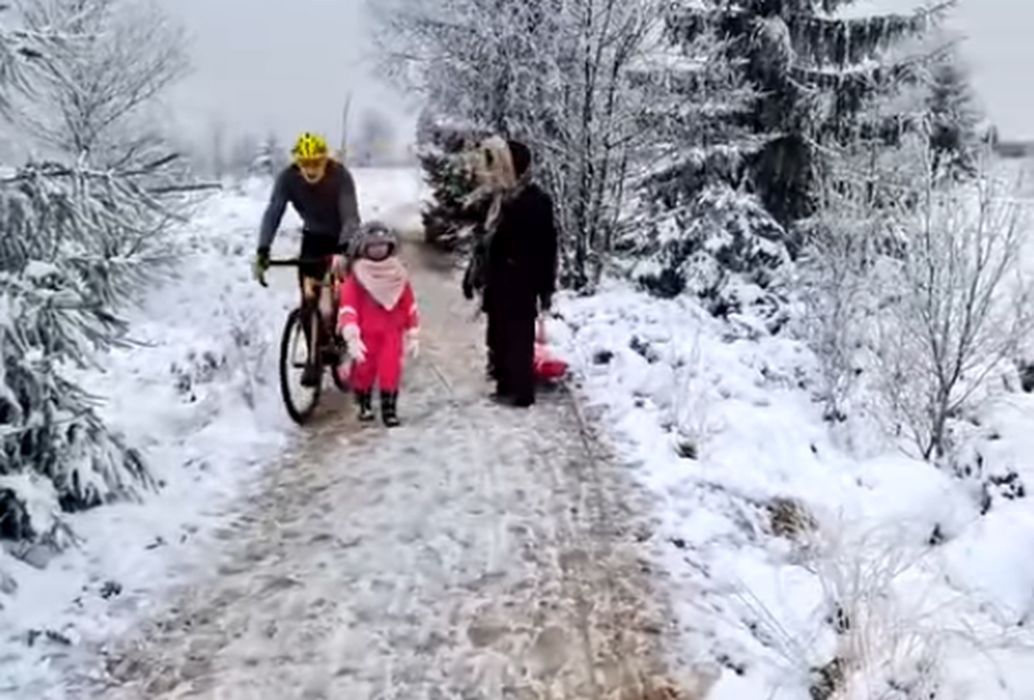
[78,245]
[88,95]
[866,77]
[549,73]
[17,48]
[842,42]
[919,291]
[51,433]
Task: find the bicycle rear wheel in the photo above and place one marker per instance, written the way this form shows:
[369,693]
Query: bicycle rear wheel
[300,401]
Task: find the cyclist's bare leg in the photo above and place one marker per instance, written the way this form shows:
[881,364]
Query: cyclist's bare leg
[311,321]
[320,296]
[328,304]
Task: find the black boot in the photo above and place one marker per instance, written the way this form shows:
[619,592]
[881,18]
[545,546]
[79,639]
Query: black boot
[389,409]
[365,401]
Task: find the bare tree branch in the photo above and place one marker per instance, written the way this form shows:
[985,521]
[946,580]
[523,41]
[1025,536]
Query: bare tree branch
[553,74]
[89,95]
[924,292]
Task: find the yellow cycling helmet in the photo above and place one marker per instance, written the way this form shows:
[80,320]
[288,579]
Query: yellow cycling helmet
[311,156]
[310,147]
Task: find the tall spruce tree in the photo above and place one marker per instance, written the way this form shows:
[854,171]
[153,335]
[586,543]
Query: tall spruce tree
[694,227]
[814,72]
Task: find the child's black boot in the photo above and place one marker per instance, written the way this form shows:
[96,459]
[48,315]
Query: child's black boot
[389,409]
[365,401]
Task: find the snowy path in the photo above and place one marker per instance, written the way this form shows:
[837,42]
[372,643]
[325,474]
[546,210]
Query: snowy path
[474,553]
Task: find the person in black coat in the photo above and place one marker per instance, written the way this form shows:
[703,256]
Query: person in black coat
[515,267]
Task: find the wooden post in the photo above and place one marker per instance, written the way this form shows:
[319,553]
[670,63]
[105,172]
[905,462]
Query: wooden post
[344,125]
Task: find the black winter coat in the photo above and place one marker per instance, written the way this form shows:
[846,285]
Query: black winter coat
[520,265]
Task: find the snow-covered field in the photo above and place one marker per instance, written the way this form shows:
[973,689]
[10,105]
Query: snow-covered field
[198,394]
[797,567]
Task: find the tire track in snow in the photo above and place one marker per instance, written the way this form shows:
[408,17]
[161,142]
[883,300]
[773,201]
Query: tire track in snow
[477,552]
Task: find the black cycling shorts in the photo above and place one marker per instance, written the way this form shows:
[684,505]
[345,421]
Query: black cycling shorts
[317,250]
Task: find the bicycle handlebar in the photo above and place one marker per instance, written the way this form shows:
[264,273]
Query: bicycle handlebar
[296,262]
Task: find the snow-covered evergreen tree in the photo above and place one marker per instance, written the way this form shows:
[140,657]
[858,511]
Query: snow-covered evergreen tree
[813,70]
[76,243]
[694,227]
[954,119]
[448,221]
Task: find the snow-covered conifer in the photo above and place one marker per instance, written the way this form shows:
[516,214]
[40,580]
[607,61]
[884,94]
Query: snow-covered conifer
[814,68]
[78,241]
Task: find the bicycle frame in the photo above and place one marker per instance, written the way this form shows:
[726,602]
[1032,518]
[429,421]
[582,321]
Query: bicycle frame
[327,287]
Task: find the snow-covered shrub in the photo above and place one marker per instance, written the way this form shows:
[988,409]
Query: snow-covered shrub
[29,503]
[8,585]
[693,423]
[991,481]
[961,308]
[790,518]
[724,248]
[915,301]
[199,368]
[887,642]
[838,278]
[869,620]
[250,353]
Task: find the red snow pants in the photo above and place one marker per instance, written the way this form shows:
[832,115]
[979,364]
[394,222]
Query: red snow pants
[382,364]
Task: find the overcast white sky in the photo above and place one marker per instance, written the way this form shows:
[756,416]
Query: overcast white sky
[277,65]
[285,65]
[1000,50]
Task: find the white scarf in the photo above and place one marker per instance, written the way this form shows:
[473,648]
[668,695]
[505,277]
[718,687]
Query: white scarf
[384,280]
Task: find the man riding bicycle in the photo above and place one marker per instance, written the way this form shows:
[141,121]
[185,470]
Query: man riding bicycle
[323,193]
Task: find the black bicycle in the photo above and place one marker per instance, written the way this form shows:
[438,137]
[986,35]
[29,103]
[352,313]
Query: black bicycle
[305,330]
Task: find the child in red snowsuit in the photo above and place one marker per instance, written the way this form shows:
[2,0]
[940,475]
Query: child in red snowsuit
[379,320]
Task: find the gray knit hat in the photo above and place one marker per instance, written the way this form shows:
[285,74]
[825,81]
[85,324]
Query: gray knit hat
[373,232]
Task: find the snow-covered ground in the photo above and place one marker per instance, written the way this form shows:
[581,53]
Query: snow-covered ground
[774,537]
[198,394]
[783,551]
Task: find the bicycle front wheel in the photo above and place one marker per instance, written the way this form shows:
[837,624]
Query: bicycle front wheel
[299,400]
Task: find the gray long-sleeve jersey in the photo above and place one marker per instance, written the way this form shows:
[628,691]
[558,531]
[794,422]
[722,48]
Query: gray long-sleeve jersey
[327,208]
